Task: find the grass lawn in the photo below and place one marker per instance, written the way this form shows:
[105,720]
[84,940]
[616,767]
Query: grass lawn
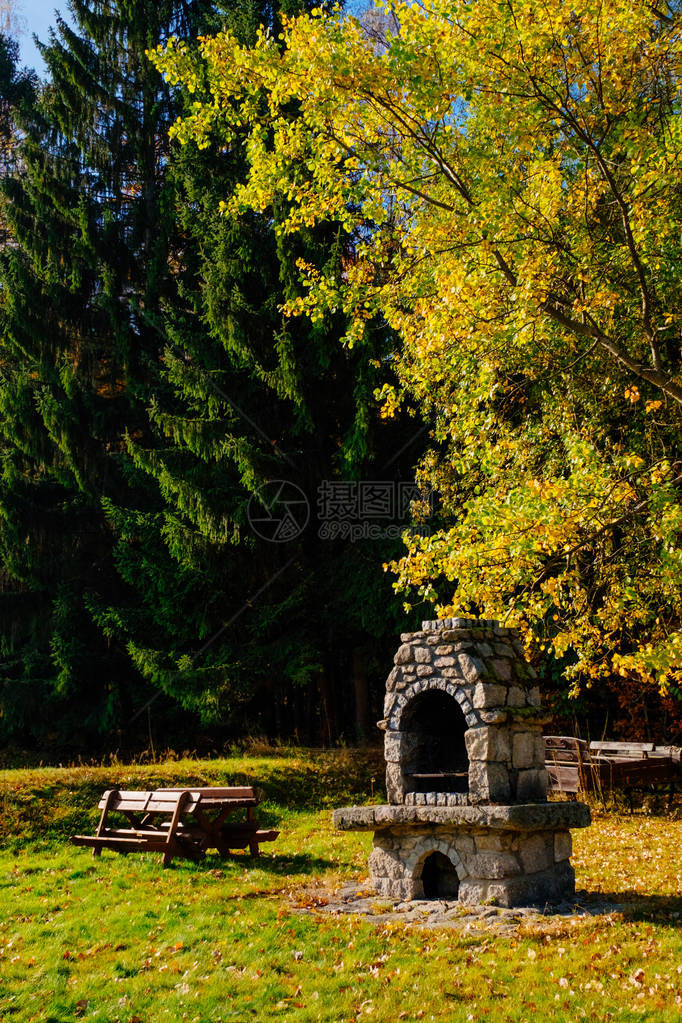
[121,939]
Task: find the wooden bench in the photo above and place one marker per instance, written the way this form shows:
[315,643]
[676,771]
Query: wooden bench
[178,822]
[574,765]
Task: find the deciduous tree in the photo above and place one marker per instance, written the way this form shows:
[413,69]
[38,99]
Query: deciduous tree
[511,175]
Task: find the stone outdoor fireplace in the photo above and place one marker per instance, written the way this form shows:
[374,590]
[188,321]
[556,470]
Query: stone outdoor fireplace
[468,816]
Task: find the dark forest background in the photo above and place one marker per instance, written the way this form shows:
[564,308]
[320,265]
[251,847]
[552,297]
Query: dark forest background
[149,388]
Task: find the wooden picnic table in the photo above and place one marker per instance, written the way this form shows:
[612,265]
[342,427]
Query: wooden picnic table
[575,765]
[178,822]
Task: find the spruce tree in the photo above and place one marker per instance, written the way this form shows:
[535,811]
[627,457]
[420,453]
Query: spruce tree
[91,231]
[151,387]
[247,397]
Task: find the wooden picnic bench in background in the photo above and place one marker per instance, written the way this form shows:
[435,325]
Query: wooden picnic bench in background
[575,765]
[178,822]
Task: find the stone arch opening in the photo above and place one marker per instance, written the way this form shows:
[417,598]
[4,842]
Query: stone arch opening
[439,877]
[433,728]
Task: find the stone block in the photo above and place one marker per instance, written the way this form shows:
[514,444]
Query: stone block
[539,751]
[445,650]
[408,890]
[450,673]
[422,655]
[499,789]
[492,842]
[383,886]
[537,889]
[503,650]
[472,893]
[400,746]
[477,742]
[484,649]
[493,717]
[537,852]
[488,695]
[516,697]
[445,662]
[456,636]
[472,668]
[486,743]
[523,750]
[464,845]
[501,669]
[424,670]
[563,845]
[531,785]
[395,783]
[488,782]
[393,679]
[393,747]
[533,697]
[404,655]
[478,781]
[501,748]
[489,866]
[383,863]
[519,672]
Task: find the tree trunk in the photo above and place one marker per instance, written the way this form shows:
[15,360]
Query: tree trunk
[361,688]
[326,709]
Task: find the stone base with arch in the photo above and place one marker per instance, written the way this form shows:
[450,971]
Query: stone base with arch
[503,855]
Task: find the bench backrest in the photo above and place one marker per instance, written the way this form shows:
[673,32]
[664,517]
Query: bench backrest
[211,792]
[565,749]
[567,760]
[631,750]
[636,750]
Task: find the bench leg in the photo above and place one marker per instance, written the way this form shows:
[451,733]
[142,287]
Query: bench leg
[172,846]
[253,841]
[110,796]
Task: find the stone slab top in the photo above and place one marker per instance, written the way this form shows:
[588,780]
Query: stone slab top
[521,817]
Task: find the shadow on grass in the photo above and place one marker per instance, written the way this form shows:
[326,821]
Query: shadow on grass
[660,909]
[266,863]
